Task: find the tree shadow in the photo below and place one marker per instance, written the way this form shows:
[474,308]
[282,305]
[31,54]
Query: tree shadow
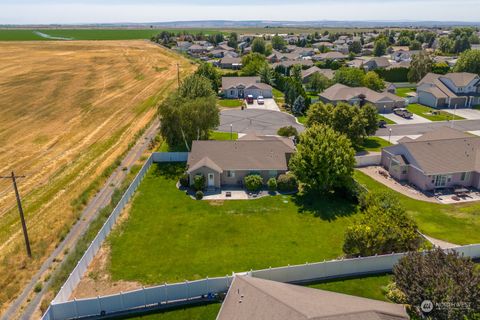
[168,170]
[327,207]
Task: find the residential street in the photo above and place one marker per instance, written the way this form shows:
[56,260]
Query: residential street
[418,129]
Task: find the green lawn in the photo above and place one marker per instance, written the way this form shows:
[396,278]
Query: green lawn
[214,135]
[302,119]
[230,103]
[279,97]
[205,312]
[372,287]
[428,113]
[170,237]
[402,92]
[373,144]
[458,223]
[388,121]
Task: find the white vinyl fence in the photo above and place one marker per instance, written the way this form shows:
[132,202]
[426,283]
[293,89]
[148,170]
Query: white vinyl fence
[368,160]
[158,296]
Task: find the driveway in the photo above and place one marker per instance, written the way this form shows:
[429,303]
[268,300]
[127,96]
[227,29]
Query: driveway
[262,122]
[270,104]
[469,114]
[421,128]
[399,120]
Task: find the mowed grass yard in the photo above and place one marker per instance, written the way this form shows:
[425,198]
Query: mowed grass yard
[170,237]
[430,113]
[457,224]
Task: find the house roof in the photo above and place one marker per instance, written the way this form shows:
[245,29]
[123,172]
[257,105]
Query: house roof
[332,55]
[289,63]
[263,154]
[326,72]
[380,62]
[444,150]
[247,82]
[460,79]
[231,60]
[435,83]
[254,298]
[340,92]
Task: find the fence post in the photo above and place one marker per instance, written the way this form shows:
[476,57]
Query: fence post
[166,294]
[144,296]
[75,307]
[121,300]
[187,288]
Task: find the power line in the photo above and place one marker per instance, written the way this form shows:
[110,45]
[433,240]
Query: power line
[20,210]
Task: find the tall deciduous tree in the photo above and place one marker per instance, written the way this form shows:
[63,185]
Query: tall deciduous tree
[195,86]
[352,77]
[324,159]
[259,46]
[355,47]
[373,81]
[318,82]
[380,47]
[253,63]
[211,73]
[451,282]
[469,61]
[278,43]
[419,67]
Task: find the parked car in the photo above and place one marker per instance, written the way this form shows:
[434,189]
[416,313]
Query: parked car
[404,113]
[260,100]
[382,124]
[249,99]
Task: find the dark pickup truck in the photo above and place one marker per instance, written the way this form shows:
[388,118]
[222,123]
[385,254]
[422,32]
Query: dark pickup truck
[404,113]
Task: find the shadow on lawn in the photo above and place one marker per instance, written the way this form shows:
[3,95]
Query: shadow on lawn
[325,207]
[170,171]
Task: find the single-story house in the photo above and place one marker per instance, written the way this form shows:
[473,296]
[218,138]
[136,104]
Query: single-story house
[383,101]
[442,158]
[307,74]
[460,89]
[332,55]
[251,298]
[226,163]
[376,63]
[241,87]
[231,63]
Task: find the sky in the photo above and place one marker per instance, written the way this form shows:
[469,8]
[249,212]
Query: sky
[111,11]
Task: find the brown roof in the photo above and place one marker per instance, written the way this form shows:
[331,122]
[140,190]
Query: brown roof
[340,92]
[332,55]
[460,79]
[265,154]
[231,60]
[252,298]
[247,82]
[442,151]
[329,73]
[381,62]
[435,83]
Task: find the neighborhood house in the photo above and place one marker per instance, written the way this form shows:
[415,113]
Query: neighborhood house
[461,90]
[241,87]
[226,163]
[383,101]
[444,158]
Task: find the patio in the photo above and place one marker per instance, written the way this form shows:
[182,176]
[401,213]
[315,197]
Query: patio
[459,195]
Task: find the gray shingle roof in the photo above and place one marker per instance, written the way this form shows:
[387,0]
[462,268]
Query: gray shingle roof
[340,92]
[247,82]
[252,298]
[241,154]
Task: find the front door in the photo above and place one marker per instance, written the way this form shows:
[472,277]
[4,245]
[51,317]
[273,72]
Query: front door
[211,180]
[241,94]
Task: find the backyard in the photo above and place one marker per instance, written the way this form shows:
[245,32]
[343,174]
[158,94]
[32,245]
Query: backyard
[373,144]
[169,237]
[430,113]
[403,92]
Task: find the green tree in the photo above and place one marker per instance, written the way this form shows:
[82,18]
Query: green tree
[461,44]
[299,106]
[267,75]
[380,47]
[324,159]
[355,47]
[296,72]
[415,45]
[404,41]
[318,82]
[352,77]
[196,86]
[278,43]
[258,45]
[446,45]
[419,67]
[253,63]
[442,277]
[440,68]
[211,73]
[381,229]
[469,61]
[233,40]
[373,81]
[370,114]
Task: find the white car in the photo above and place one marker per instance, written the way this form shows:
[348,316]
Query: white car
[260,100]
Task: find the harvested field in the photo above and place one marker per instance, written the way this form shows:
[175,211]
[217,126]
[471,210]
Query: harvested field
[68,110]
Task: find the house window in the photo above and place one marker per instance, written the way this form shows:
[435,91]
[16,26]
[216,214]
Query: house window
[231,174]
[404,170]
[465,176]
[272,173]
[232,92]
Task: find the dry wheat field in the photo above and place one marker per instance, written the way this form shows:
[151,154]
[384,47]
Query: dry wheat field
[67,111]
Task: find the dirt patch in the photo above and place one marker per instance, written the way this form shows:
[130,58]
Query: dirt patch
[97,280]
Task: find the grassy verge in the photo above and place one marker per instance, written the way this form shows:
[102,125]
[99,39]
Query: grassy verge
[457,223]
[388,121]
[205,312]
[279,97]
[373,144]
[230,103]
[217,135]
[201,238]
[430,113]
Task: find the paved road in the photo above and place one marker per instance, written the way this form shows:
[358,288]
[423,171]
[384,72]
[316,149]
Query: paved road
[419,129]
[263,122]
[101,199]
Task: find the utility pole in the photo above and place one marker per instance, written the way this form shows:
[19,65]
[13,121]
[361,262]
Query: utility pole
[20,209]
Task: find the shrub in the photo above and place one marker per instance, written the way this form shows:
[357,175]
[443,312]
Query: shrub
[253,182]
[38,287]
[199,195]
[199,182]
[287,182]
[184,180]
[272,184]
[288,132]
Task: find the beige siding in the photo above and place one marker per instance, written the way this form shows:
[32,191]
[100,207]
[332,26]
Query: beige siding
[205,171]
